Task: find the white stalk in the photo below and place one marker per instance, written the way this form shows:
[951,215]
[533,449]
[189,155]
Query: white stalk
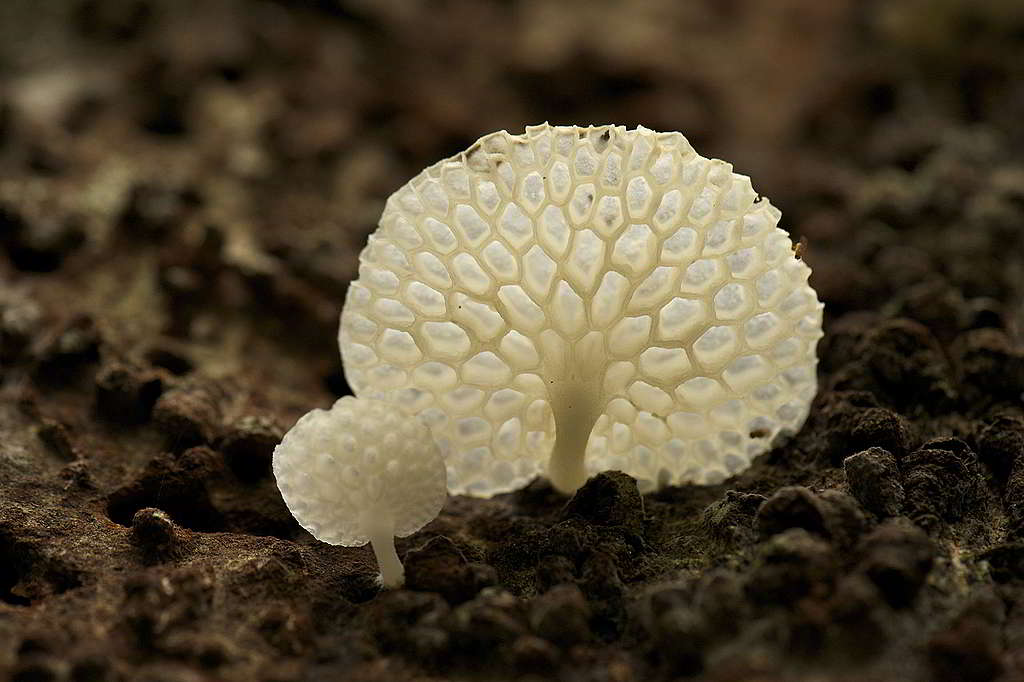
[577,401]
[381,530]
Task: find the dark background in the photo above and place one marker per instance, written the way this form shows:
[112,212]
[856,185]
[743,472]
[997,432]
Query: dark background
[184,188]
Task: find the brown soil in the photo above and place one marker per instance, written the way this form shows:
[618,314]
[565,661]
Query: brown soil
[184,187]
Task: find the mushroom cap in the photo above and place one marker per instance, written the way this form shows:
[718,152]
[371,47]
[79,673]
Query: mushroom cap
[615,265]
[361,457]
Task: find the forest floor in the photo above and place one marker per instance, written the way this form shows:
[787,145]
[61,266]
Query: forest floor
[184,189]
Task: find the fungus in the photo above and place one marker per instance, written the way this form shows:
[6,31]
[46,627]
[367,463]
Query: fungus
[361,472]
[584,299]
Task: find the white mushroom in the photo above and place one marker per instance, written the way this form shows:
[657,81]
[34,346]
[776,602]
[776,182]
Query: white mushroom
[361,472]
[581,299]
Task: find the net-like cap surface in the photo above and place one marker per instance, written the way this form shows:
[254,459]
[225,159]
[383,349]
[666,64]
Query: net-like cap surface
[340,470]
[594,289]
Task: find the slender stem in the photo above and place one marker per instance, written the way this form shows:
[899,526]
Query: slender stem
[576,406]
[381,530]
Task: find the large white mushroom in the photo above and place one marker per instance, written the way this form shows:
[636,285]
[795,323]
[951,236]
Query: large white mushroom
[580,299]
[361,472]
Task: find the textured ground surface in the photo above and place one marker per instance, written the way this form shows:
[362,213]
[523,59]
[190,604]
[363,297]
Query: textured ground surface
[184,187]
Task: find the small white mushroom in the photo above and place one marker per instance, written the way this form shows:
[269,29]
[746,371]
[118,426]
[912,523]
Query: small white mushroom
[361,472]
[581,299]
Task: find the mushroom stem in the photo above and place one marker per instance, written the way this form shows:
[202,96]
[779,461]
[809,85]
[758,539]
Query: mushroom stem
[382,538]
[576,406]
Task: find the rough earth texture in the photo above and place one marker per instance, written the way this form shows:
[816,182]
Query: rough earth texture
[184,187]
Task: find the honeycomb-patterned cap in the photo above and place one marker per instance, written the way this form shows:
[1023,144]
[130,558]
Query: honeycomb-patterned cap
[596,289]
[361,459]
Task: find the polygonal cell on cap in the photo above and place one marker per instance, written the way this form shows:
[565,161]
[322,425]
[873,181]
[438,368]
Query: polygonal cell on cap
[611,176]
[785,352]
[469,275]
[504,403]
[538,273]
[399,347]
[715,346]
[456,182]
[702,210]
[650,398]
[486,369]
[484,321]
[618,376]
[608,217]
[581,204]
[692,173]
[519,351]
[391,258]
[655,289]
[747,371]
[532,194]
[434,197]
[754,225]
[569,314]
[665,364]
[766,394]
[378,279]
[669,211]
[516,227]
[664,168]
[473,431]
[586,162]
[796,377]
[651,429]
[446,340]
[721,237]
[559,181]
[522,152]
[701,276]
[386,376]
[629,336]
[439,236]
[762,329]
[509,438]
[392,312]
[701,392]
[622,410]
[360,328]
[424,300]
[520,310]
[432,271]
[638,197]
[553,231]
[402,232]
[609,299]
[435,376]
[473,230]
[687,424]
[360,355]
[680,317]
[733,301]
[679,247]
[586,260]
[796,303]
[770,288]
[487,196]
[635,250]
[776,247]
[462,400]
[744,263]
[501,263]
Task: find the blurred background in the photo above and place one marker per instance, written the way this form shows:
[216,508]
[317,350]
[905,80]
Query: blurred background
[186,165]
[185,186]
